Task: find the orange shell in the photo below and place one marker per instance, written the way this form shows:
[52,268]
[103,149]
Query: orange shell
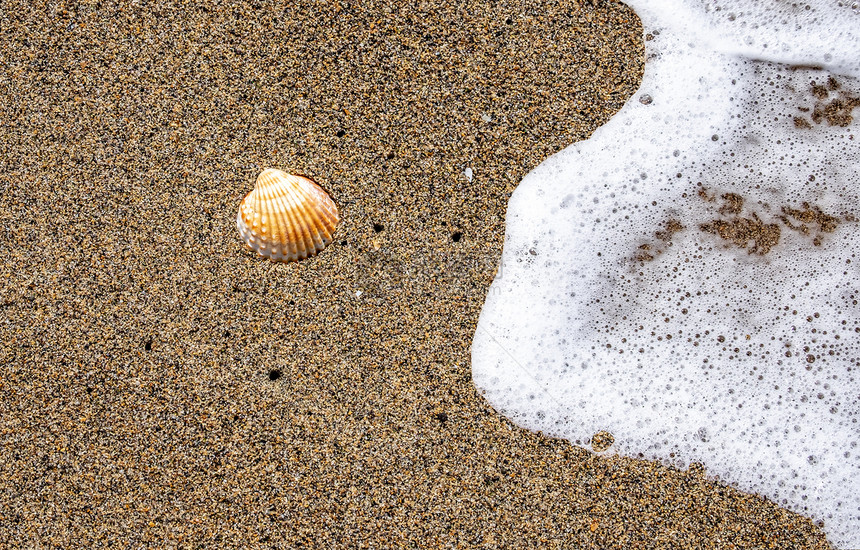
[286,218]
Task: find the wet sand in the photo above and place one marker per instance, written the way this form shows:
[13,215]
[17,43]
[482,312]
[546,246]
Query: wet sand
[161,386]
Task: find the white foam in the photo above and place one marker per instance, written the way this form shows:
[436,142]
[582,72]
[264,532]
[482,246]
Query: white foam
[745,362]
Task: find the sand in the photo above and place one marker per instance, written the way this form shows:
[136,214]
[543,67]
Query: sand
[161,386]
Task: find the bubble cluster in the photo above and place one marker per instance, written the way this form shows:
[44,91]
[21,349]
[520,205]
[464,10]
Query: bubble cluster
[687,279]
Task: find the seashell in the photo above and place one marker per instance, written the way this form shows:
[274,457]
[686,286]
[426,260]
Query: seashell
[286,218]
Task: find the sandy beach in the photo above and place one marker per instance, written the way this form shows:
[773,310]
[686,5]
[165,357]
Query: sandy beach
[161,386]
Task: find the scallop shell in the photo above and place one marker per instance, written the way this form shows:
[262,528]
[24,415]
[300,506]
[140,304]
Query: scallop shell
[286,218]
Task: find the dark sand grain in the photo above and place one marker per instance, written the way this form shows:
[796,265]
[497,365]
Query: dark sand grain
[139,403]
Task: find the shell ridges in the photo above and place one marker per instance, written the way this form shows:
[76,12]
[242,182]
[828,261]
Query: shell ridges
[287,217]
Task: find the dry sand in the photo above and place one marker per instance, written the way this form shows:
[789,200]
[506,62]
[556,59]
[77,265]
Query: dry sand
[140,402]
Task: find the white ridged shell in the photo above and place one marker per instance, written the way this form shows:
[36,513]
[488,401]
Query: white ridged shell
[286,218]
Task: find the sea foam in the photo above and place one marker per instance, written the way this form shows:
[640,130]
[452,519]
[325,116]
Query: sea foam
[687,278]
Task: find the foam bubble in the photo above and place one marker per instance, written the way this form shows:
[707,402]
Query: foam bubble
[687,279]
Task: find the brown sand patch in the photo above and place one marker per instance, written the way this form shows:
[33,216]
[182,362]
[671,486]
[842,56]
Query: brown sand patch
[746,233]
[836,112]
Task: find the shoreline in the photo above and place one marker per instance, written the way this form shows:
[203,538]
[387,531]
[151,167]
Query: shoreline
[141,339]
